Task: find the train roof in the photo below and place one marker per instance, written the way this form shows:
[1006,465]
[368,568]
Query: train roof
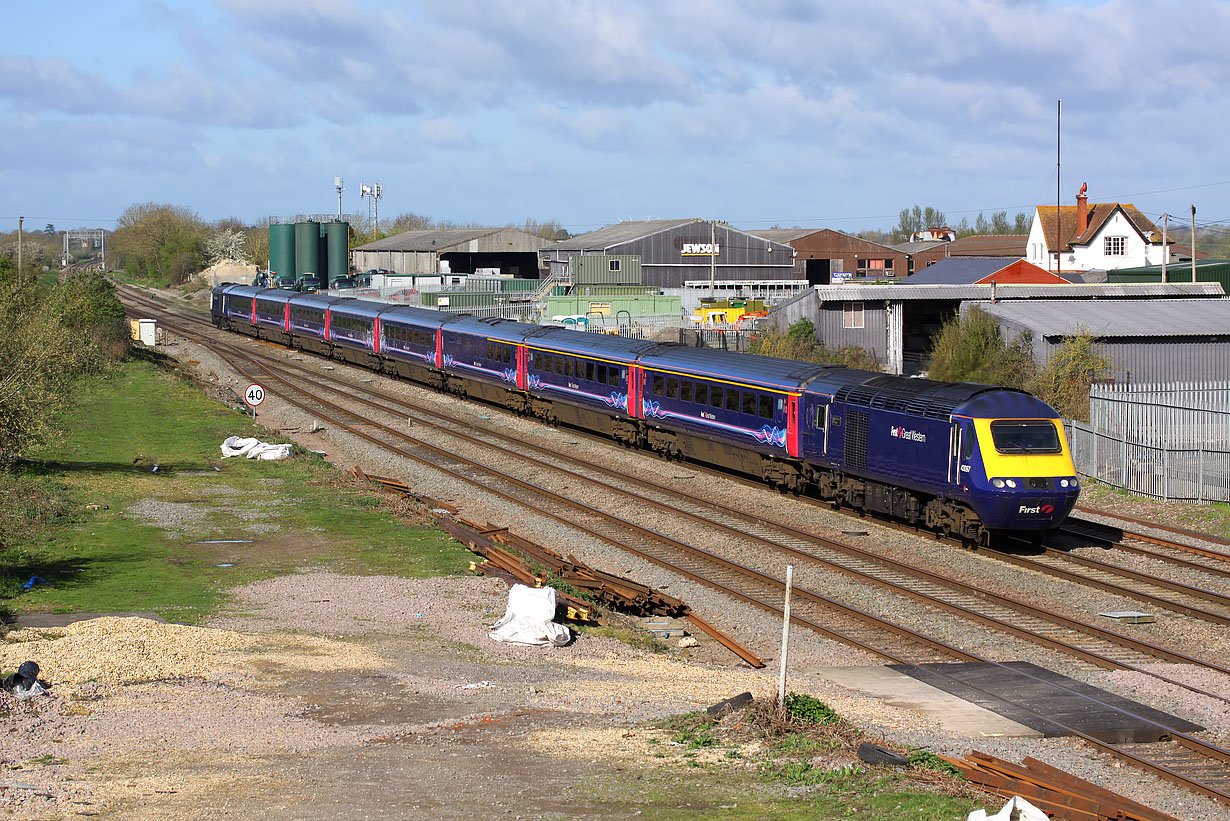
[420,317]
[1006,403]
[319,301]
[925,397]
[605,346]
[505,330]
[275,295]
[350,306]
[786,374]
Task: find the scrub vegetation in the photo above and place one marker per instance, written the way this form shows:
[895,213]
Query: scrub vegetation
[970,348]
[798,761]
[799,342]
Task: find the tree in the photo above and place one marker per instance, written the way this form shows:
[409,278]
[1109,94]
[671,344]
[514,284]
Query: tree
[87,305]
[799,343]
[158,242]
[969,348]
[227,243]
[1064,381]
[916,219]
[49,230]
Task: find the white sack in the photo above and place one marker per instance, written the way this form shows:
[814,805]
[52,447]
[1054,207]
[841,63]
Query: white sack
[529,618]
[253,448]
[1017,809]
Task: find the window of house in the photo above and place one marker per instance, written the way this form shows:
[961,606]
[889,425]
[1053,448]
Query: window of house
[1114,246]
[852,315]
[613,265]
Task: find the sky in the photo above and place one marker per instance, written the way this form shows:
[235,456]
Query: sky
[587,112]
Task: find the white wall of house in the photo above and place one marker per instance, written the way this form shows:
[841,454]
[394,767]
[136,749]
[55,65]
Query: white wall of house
[1118,244]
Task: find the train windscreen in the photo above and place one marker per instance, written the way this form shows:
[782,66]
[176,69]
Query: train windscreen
[1025,436]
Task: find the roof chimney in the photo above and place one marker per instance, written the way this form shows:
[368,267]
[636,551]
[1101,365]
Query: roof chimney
[1082,210]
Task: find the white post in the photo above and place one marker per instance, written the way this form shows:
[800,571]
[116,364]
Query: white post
[781,676]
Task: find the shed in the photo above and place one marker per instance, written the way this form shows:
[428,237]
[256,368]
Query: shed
[453,250]
[1162,340]
[896,322]
[1207,270]
[984,271]
[674,252]
[823,256]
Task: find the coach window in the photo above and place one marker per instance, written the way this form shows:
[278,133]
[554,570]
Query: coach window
[558,364]
[685,391]
[749,403]
[672,388]
[967,444]
[715,396]
[569,368]
[614,375]
[659,384]
[589,370]
[732,400]
[702,393]
[766,407]
[600,378]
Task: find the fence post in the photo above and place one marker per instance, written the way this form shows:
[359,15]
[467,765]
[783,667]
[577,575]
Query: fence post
[1123,470]
[1200,476]
[1165,474]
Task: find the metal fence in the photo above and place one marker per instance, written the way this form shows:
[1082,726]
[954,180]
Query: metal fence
[1171,442]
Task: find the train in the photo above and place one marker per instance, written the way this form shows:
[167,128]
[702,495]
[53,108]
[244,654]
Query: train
[958,458]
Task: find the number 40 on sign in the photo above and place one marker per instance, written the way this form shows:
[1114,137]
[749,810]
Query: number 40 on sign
[253,395]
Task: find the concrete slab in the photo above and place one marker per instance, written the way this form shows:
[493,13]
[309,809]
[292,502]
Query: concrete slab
[897,689]
[64,619]
[1049,702]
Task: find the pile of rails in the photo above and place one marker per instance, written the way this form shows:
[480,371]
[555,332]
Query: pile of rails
[519,560]
[1060,794]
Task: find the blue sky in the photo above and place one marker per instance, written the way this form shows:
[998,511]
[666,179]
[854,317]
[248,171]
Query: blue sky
[778,112]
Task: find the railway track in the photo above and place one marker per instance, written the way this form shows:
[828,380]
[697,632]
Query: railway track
[764,590]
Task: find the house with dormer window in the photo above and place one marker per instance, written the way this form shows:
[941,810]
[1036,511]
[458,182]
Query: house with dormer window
[1099,236]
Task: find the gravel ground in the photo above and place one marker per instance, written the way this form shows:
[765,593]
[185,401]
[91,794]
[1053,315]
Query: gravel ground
[412,648]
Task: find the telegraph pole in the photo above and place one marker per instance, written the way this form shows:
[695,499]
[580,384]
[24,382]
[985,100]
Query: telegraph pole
[712,255]
[1165,221]
[1058,207]
[20,220]
[1193,243]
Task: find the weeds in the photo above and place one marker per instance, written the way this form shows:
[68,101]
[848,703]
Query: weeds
[923,760]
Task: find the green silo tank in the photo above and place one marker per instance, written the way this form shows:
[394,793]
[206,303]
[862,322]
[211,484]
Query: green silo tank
[282,248]
[307,248]
[337,234]
[322,257]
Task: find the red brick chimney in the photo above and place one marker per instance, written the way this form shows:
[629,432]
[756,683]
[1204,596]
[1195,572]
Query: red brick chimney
[1082,210]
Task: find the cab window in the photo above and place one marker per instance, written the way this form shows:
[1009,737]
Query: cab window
[1025,436]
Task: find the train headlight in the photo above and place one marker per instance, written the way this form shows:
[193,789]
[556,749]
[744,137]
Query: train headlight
[997,482]
[1010,482]
[1063,482]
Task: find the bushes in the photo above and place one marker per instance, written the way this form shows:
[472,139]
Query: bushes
[969,348]
[799,342]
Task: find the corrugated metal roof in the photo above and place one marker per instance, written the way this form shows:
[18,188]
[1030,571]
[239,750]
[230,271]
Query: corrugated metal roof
[617,234]
[957,271]
[989,245]
[431,239]
[1117,318]
[871,293]
[916,247]
[786,235]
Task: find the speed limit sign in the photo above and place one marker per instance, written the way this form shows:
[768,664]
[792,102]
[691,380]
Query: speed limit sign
[254,395]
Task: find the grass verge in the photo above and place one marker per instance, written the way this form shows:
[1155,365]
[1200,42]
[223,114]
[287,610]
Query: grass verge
[102,530]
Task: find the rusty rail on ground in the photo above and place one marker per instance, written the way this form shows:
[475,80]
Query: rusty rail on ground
[1059,793]
[512,557]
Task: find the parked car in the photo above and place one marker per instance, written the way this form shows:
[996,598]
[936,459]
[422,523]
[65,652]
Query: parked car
[308,284]
[342,283]
[285,282]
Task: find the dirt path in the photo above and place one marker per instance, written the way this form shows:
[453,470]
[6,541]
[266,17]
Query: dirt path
[417,715]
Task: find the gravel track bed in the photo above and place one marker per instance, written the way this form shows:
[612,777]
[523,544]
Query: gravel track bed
[760,631]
